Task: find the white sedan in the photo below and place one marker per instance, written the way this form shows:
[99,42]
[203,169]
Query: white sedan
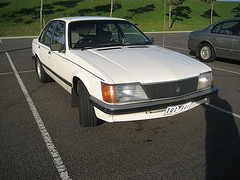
[115,73]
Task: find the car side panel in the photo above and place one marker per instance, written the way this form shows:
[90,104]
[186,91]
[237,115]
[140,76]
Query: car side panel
[43,53]
[57,64]
[223,44]
[236,47]
[79,68]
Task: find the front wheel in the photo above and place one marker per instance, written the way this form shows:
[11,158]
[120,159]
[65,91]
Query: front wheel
[206,52]
[87,116]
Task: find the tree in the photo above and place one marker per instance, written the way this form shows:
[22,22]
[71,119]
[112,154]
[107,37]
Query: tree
[210,2]
[173,3]
[180,13]
[237,11]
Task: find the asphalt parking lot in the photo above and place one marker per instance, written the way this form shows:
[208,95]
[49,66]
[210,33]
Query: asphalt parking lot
[41,137]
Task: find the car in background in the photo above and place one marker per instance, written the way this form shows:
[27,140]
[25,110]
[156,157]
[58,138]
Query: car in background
[115,73]
[221,39]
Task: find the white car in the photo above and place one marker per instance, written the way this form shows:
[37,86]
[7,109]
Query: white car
[115,73]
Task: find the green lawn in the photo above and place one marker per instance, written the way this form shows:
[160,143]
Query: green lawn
[21,17]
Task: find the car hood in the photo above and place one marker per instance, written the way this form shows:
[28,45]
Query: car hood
[144,64]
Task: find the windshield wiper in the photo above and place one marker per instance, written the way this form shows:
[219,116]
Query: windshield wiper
[85,48]
[108,44]
[139,43]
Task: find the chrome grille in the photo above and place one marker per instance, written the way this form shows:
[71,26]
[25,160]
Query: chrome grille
[171,89]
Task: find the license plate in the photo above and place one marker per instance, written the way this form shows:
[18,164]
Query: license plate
[177,109]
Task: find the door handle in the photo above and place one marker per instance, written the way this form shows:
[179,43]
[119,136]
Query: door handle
[49,52]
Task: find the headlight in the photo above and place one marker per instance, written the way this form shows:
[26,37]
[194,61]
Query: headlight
[123,93]
[205,81]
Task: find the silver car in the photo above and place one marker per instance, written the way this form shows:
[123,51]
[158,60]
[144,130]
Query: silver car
[221,39]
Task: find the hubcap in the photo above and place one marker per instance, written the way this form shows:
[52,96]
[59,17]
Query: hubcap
[205,52]
[39,69]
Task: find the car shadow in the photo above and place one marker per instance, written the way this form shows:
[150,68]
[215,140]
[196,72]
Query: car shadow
[228,61]
[192,53]
[222,142]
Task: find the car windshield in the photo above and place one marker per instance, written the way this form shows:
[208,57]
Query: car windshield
[95,34]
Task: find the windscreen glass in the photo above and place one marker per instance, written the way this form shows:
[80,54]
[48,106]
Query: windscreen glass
[94,34]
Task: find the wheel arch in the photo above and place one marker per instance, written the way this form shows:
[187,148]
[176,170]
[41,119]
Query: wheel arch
[207,42]
[35,57]
[82,78]
[74,98]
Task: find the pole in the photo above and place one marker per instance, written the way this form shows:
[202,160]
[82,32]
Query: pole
[212,13]
[41,19]
[111,8]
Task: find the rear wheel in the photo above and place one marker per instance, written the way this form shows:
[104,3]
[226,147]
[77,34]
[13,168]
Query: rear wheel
[87,116]
[42,75]
[206,52]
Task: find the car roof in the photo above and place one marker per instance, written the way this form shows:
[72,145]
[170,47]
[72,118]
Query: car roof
[229,19]
[84,18]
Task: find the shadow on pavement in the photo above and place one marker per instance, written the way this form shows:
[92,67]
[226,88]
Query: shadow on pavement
[222,143]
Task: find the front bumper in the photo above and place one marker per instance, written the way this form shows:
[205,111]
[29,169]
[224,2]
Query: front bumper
[192,45]
[113,109]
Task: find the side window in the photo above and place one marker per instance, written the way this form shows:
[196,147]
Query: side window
[47,34]
[59,34]
[132,34]
[228,28]
[217,28]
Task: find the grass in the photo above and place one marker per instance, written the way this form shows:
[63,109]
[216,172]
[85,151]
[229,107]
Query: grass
[21,17]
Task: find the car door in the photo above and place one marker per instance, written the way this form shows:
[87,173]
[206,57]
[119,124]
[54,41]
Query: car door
[222,36]
[236,45]
[44,46]
[58,58]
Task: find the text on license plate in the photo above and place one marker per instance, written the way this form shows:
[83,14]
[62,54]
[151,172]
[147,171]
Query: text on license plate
[177,109]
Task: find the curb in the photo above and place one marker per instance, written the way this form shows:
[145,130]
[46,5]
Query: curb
[167,32]
[19,37]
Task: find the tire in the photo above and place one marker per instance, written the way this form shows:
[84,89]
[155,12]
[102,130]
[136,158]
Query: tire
[43,77]
[87,116]
[206,53]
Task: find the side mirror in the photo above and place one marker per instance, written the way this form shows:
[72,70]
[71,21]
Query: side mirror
[56,47]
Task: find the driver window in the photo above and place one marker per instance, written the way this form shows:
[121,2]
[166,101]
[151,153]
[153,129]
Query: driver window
[84,32]
[47,34]
[59,34]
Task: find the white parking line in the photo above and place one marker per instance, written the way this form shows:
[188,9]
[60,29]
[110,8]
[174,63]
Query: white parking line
[223,110]
[20,72]
[176,48]
[234,72]
[62,170]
